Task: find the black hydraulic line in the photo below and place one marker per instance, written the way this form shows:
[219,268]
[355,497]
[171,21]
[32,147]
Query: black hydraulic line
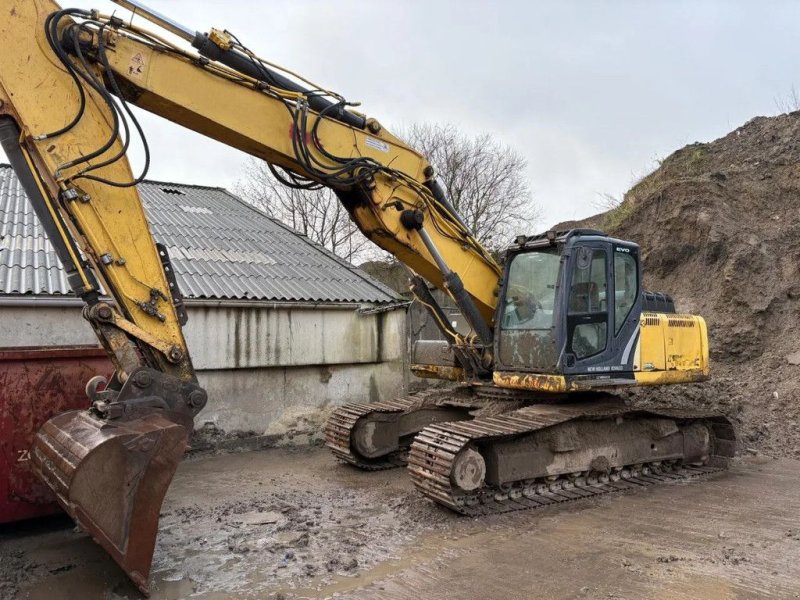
[295,182]
[51,36]
[75,42]
[241,62]
[9,140]
[118,92]
[419,288]
[89,78]
[244,64]
[71,43]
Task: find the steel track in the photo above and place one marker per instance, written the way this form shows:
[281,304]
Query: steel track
[340,424]
[435,448]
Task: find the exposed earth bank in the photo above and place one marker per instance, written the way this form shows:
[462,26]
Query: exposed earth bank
[719,227]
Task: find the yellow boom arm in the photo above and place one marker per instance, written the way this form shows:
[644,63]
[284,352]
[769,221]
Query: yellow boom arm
[66,77]
[380,179]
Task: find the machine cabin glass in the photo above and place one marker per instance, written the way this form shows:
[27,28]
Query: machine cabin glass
[527,319]
[587,315]
[626,286]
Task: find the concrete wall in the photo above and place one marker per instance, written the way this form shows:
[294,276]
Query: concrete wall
[262,364]
[49,324]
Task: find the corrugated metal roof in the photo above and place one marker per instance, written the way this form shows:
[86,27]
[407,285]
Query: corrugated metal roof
[221,248]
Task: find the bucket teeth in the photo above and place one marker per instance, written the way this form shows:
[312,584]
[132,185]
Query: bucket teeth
[111,478]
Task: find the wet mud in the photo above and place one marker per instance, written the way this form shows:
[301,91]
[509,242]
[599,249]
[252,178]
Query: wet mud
[289,523]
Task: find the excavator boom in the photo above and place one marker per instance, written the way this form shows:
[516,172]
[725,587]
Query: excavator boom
[67,78]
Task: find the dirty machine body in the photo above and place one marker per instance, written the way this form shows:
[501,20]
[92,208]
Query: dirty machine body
[572,328]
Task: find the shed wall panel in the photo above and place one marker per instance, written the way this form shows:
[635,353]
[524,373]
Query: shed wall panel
[233,338]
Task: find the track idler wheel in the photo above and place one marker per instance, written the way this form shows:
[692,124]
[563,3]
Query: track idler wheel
[111,477]
[469,470]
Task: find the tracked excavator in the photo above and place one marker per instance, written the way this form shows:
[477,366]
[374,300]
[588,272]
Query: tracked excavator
[532,417]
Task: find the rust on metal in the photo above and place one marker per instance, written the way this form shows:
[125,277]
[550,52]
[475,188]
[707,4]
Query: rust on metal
[540,382]
[671,376]
[35,384]
[111,477]
[438,372]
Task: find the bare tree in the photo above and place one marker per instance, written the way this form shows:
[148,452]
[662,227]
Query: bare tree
[788,103]
[317,214]
[605,202]
[485,180]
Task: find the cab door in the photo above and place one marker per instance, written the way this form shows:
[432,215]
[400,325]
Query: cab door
[602,308]
[587,339]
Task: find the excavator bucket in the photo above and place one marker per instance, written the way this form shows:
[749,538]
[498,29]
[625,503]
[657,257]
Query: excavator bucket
[111,477]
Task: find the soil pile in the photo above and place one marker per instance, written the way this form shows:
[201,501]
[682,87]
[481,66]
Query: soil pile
[719,227]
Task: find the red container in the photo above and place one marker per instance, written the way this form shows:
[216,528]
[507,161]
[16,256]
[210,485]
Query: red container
[35,384]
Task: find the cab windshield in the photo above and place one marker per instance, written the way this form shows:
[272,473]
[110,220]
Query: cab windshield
[526,328]
[531,292]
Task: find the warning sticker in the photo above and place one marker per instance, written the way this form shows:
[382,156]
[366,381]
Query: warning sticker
[136,66]
[377,144]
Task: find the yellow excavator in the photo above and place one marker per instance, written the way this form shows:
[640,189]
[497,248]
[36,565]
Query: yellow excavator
[532,417]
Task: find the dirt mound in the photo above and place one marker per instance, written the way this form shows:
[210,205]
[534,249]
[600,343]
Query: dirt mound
[719,226]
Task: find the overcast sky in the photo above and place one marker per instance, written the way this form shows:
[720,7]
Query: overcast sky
[591,93]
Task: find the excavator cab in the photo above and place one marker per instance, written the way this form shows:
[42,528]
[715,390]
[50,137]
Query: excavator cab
[571,316]
[571,305]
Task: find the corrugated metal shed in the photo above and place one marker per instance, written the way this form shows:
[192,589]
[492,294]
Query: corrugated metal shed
[221,248]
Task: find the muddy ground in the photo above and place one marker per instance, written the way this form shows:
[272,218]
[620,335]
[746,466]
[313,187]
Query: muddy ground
[293,523]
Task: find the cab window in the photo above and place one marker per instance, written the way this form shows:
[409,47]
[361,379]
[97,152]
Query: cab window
[588,303]
[526,338]
[626,287]
[530,297]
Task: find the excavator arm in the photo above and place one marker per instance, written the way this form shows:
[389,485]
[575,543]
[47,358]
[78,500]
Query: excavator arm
[67,78]
[388,188]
